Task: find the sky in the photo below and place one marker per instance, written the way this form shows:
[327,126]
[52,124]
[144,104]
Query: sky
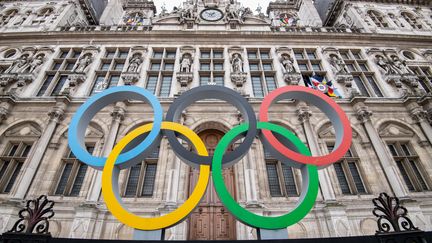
[253,4]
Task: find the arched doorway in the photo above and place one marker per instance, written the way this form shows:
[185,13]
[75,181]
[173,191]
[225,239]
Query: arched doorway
[211,220]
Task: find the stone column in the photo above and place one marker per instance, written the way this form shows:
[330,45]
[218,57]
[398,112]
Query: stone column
[56,116]
[304,114]
[386,160]
[117,116]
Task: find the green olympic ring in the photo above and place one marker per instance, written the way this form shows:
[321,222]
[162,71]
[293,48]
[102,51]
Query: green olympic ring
[307,197]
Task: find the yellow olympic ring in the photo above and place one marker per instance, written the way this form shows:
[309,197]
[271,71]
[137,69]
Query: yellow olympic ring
[114,204]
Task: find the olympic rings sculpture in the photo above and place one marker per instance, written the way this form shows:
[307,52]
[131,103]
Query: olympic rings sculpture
[286,147]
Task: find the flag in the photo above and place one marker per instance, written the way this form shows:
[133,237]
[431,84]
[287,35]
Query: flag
[319,83]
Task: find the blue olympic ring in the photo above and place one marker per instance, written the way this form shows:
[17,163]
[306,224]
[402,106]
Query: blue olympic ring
[88,110]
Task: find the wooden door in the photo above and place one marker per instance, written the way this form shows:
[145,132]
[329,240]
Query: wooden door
[211,220]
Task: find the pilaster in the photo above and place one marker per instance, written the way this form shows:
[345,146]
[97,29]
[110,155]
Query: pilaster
[117,115]
[56,115]
[364,116]
[304,115]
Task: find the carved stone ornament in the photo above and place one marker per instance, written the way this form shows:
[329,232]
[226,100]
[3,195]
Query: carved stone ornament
[238,80]
[130,78]
[292,78]
[33,219]
[3,114]
[363,114]
[75,80]
[392,217]
[184,78]
[347,81]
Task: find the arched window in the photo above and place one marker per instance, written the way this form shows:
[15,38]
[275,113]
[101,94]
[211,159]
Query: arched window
[412,20]
[15,148]
[378,19]
[7,16]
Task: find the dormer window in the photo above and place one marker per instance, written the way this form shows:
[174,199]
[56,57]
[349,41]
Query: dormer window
[7,16]
[412,20]
[378,19]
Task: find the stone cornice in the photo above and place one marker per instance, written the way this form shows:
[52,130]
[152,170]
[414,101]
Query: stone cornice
[304,37]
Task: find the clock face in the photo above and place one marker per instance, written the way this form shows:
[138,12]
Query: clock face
[212,14]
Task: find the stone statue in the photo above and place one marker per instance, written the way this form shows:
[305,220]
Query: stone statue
[163,12]
[186,63]
[245,12]
[134,63]
[401,67]
[385,65]
[288,64]
[21,64]
[36,62]
[82,64]
[338,64]
[231,12]
[237,63]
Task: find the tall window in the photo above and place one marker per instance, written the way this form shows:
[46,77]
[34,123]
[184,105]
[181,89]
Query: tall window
[364,78]
[409,166]
[309,63]
[212,70]
[72,175]
[424,73]
[282,180]
[11,163]
[57,74]
[261,71]
[378,19]
[110,69]
[7,16]
[141,178]
[348,173]
[412,21]
[161,70]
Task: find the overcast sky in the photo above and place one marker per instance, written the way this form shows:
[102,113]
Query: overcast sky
[253,4]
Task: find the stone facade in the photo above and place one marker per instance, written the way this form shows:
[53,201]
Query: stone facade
[52,58]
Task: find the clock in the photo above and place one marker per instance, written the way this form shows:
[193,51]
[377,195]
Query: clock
[212,14]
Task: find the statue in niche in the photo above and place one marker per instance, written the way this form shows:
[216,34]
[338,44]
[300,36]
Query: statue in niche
[385,65]
[338,64]
[287,63]
[186,63]
[134,63]
[237,63]
[21,64]
[35,63]
[401,67]
[82,64]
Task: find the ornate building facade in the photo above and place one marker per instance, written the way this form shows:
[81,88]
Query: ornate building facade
[55,54]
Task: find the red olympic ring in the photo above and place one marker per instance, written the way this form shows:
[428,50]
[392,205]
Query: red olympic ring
[328,106]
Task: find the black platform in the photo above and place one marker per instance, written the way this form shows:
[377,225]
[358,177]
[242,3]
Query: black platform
[418,237]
